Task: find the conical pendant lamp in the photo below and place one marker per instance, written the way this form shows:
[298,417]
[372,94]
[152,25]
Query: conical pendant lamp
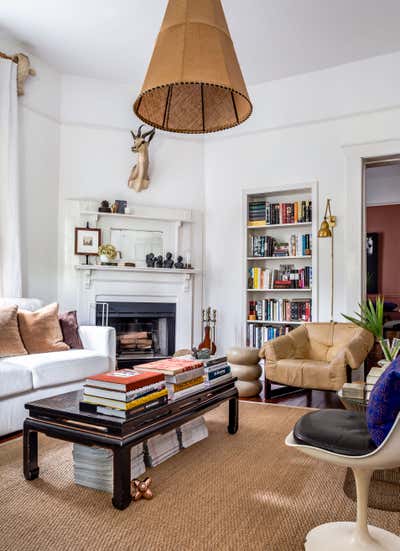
[194,83]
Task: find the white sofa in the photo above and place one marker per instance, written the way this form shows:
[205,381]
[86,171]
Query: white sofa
[34,376]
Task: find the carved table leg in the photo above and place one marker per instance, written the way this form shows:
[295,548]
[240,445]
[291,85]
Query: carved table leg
[31,468]
[122,477]
[233,415]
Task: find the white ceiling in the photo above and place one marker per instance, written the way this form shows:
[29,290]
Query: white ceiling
[113,39]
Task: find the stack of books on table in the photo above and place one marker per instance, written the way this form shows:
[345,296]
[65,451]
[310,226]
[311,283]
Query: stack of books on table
[182,376]
[192,432]
[372,377]
[216,370]
[354,391]
[93,467]
[161,447]
[124,393]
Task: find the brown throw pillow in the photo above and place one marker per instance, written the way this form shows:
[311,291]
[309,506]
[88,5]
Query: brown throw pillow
[41,331]
[10,339]
[69,328]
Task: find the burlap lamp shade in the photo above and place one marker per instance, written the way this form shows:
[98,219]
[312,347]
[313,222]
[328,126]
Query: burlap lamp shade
[194,83]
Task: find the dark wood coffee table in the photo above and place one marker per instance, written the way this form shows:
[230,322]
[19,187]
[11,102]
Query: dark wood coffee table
[60,417]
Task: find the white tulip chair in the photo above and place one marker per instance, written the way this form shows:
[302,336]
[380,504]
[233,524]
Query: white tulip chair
[355,536]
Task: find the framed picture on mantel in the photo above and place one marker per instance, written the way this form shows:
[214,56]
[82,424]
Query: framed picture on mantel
[87,241]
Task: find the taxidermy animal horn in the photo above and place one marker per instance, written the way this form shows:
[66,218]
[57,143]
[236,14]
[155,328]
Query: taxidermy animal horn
[149,133]
[133,135]
[139,132]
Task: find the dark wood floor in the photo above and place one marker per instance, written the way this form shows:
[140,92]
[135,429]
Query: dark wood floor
[320,399]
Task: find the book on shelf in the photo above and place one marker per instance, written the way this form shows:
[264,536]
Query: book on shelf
[257,335]
[265,245]
[264,212]
[280,309]
[286,277]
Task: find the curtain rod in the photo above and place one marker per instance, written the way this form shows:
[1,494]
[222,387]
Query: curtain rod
[5,56]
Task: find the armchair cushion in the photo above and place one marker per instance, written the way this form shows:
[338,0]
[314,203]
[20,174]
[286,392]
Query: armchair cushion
[384,403]
[315,355]
[293,345]
[335,430]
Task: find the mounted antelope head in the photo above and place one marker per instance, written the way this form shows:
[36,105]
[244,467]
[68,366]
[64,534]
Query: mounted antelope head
[139,177]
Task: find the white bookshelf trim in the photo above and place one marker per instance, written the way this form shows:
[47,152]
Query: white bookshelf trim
[281,258]
[273,226]
[270,322]
[304,290]
[279,193]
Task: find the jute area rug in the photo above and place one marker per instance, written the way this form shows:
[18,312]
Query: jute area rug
[242,492]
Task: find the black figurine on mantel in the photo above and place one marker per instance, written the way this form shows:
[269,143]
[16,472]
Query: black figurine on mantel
[150,260]
[159,262]
[179,264]
[104,207]
[168,262]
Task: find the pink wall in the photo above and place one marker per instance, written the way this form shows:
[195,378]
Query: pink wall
[385,220]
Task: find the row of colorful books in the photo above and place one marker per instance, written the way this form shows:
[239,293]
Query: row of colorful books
[280,310]
[257,335]
[266,213]
[286,277]
[265,245]
[126,392]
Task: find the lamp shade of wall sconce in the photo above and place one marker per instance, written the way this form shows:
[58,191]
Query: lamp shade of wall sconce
[194,83]
[324,230]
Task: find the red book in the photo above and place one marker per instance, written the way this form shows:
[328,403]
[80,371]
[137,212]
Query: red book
[170,366]
[124,379]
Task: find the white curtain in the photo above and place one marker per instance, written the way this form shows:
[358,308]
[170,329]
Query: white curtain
[10,247]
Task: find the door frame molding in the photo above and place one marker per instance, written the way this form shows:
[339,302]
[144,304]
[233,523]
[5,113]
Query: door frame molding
[356,158]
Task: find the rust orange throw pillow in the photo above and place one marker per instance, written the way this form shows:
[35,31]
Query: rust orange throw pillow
[10,339]
[41,331]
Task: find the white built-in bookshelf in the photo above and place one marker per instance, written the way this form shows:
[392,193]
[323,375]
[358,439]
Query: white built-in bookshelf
[280,260]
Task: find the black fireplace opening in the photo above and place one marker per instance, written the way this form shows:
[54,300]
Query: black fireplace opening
[145,330]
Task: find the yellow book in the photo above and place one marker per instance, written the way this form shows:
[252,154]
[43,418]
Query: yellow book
[256,278]
[188,384]
[256,223]
[125,406]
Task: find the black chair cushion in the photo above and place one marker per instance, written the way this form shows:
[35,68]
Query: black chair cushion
[336,430]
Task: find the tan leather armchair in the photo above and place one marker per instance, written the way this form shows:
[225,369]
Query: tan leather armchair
[316,356]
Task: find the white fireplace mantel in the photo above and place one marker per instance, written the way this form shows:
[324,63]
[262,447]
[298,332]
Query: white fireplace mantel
[82,286]
[101,284]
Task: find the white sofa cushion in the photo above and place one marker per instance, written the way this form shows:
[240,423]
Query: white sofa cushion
[58,368]
[30,304]
[14,377]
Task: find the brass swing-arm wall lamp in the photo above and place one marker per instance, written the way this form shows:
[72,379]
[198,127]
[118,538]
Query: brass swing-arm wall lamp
[327,230]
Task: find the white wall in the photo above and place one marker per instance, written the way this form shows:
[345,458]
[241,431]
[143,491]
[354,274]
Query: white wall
[38,164]
[382,185]
[96,160]
[296,134]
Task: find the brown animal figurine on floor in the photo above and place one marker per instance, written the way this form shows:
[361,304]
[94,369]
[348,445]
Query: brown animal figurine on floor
[139,177]
[141,488]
